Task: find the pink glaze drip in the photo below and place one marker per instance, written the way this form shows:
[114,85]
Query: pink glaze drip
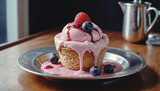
[91,36]
[59,70]
[82,41]
[69,27]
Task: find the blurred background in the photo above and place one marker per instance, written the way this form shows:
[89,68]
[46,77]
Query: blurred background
[20,18]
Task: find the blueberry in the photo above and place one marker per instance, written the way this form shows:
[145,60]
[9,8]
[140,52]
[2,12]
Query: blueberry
[54,59]
[108,69]
[95,70]
[87,27]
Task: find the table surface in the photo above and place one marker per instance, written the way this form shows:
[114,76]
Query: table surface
[13,78]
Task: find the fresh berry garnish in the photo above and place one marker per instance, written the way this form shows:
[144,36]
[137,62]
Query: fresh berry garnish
[54,59]
[108,69]
[95,70]
[80,18]
[87,26]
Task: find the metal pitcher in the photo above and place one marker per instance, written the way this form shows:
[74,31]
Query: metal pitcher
[136,20]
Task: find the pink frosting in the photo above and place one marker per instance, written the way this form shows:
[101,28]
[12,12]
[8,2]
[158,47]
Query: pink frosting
[59,70]
[73,37]
[76,33]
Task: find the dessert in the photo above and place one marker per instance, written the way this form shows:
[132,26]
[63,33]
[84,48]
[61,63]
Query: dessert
[81,44]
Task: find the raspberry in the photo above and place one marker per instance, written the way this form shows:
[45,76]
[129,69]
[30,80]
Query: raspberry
[80,18]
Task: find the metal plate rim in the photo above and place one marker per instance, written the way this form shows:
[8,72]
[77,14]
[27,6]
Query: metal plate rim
[19,59]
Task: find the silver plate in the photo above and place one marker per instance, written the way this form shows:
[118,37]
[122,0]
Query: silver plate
[130,62]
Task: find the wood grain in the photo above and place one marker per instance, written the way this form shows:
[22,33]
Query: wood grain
[7,45]
[13,78]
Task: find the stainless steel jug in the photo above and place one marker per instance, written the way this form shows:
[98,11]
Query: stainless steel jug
[136,20]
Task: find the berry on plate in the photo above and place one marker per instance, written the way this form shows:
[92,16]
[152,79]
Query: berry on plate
[95,70]
[108,69]
[54,59]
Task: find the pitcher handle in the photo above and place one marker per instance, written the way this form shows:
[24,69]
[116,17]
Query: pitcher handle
[155,19]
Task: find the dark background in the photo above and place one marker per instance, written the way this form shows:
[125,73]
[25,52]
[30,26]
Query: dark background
[45,14]
[3,21]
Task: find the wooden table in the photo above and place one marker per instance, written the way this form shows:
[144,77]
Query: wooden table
[13,78]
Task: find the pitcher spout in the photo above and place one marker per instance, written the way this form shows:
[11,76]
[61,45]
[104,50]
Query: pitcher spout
[121,5]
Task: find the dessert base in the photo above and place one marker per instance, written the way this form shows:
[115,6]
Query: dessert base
[70,59]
